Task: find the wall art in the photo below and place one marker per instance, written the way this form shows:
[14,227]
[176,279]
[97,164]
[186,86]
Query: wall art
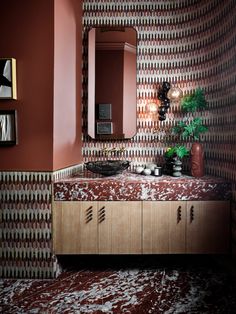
[8,78]
[8,127]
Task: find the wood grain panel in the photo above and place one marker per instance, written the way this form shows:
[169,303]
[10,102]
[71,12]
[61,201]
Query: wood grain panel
[120,232]
[164,227]
[208,224]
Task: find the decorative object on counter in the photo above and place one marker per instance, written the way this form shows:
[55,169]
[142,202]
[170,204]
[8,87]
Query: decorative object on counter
[139,169]
[147,172]
[158,171]
[192,128]
[107,167]
[177,167]
[197,159]
[149,169]
[151,166]
[8,78]
[173,162]
[8,127]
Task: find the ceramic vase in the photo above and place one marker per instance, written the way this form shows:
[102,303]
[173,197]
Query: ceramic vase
[197,160]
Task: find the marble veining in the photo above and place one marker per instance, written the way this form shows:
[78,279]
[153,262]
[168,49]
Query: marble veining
[144,286]
[86,186]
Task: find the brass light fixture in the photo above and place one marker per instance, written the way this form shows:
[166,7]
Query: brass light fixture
[152,108]
[175,94]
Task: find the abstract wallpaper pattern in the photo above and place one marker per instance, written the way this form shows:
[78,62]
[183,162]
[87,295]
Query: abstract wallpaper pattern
[190,43]
[26,223]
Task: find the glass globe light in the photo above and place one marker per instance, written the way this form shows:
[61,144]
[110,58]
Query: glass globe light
[175,94]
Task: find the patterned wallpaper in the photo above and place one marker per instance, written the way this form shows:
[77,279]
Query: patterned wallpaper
[26,223]
[190,43]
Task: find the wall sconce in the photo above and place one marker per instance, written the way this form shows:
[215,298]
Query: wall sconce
[152,107]
[175,94]
[165,101]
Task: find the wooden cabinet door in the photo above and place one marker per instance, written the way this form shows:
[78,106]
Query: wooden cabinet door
[164,227]
[208,227]
[75,227]
[120,227]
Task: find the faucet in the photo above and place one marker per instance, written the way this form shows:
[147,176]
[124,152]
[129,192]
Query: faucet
[113,151]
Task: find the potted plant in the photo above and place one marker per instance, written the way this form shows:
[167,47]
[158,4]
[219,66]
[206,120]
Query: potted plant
[173,157]
[192,127]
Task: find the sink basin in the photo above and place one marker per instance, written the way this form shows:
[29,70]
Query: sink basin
[107,167]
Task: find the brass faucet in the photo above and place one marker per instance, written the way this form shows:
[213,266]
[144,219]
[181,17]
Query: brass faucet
[112,151]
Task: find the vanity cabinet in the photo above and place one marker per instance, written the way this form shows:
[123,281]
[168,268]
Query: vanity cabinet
[141,227]
[97,227]
[186,227]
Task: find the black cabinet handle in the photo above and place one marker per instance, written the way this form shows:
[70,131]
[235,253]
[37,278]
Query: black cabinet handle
[191,214]
[179,214]
[101,214]
[89,214]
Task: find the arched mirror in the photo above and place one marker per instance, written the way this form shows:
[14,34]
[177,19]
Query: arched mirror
[112,105]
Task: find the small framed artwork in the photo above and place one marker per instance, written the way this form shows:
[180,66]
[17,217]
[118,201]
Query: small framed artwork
[104,111]
[104,128]
[8,127]
[8,78]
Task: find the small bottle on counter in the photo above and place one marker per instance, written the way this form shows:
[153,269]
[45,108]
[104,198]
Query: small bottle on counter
[158,171]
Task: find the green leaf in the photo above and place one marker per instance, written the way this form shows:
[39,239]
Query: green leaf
[193,102]
[178,150]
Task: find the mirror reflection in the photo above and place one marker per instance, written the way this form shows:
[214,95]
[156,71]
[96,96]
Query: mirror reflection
[112,83]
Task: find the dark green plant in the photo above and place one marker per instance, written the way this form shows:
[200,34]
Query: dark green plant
[195,101]
[179,151]
[191,129]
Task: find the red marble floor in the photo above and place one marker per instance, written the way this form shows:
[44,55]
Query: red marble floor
[124,284]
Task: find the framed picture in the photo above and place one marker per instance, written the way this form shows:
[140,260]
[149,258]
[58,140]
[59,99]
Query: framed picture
[7,78]
[104,128]
[104,111]
[8,127]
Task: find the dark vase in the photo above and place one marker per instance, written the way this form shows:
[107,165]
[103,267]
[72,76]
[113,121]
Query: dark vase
[197,160]
[168,168]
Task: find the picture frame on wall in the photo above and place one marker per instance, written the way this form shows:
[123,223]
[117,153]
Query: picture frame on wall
[8,78]
[104,128]
[8,127]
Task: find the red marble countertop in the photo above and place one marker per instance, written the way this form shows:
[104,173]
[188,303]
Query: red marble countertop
[128,186]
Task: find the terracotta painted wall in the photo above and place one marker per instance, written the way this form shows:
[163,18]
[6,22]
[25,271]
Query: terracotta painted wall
[47,48]
[27,35]
[67,84]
